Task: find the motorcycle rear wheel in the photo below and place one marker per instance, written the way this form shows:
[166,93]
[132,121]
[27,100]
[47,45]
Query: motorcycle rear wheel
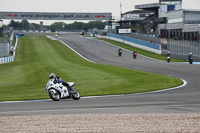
[54,94]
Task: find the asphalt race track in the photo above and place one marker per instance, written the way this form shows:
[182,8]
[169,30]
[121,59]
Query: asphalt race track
[181,100]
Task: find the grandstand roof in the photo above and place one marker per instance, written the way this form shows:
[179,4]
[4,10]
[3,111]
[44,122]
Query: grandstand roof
[152,6]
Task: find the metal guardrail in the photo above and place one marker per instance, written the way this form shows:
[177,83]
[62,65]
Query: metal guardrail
[9,59]
[6,42]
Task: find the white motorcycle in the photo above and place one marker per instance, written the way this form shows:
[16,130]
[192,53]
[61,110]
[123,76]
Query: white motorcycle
[168,59]
[58,91]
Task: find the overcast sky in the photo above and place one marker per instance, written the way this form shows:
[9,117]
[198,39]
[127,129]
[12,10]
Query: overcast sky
[112,6]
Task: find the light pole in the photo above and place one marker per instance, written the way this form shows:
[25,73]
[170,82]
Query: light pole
[1,28]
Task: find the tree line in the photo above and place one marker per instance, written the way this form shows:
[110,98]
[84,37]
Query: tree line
[57,26]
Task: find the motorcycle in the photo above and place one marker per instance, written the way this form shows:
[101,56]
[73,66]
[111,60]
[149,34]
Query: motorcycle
[58,91]
[120,52]
[168,59]
[191,60]
[134,54]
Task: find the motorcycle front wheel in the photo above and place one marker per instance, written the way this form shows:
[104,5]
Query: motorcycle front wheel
[75,94]
[54,95]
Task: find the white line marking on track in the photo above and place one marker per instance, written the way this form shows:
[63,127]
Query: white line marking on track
[77,52]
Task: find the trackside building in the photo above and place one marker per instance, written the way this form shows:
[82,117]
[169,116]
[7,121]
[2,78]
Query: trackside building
[177,23]
[181,24]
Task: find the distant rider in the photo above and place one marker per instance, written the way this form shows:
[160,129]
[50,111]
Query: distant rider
[57,79]
[168,57]
[190,57]
[134,54]
[120,52]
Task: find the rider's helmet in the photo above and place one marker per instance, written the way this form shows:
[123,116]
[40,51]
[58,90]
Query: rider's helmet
[52,76]
[190,53]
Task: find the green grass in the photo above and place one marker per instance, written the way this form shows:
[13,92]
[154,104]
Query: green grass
[38,56]
[87,35]
[140,51]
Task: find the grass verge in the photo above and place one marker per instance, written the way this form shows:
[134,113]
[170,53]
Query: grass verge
[38,56]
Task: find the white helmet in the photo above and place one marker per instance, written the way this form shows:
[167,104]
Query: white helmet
[52,76]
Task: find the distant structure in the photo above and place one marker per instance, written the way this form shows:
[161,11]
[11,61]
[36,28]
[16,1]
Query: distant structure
[1,28]
[166,19]
[149,25]
[41,25]
[178,23]
[144,21]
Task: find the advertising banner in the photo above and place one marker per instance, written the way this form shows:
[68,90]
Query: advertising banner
[135,15]
[55,16]
[124,31]
[170,7]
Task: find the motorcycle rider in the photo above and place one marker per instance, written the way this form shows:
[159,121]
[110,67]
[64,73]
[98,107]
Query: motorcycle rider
[190,58]
[57,79]
[134,54]
[168,57]
[120,52]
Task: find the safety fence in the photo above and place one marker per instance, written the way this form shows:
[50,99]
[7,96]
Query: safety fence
[9,59]
[178,48]
[181,48]
[156,48]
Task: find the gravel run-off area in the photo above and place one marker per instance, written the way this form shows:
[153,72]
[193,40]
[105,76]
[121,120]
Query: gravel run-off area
[102,123]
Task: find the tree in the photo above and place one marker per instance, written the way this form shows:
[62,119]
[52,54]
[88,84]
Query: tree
[57,26]
[96,24]
[86,26]
[76,25]
[25,25]
[34,26]
[14,24]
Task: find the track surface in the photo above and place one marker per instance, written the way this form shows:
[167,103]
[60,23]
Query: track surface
[182,100]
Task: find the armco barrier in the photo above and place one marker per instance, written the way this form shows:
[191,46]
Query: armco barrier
[4,49]
[9,58]
[156,48]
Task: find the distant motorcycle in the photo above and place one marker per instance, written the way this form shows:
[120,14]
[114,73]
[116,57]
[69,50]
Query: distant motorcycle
[134,54]
[168,59]
[120,52]
[191,61]
[58,91]
[190,58]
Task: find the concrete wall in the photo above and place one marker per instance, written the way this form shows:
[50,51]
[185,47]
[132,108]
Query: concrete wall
[156,48]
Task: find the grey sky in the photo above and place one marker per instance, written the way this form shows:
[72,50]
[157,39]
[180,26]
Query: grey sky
[112,6]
